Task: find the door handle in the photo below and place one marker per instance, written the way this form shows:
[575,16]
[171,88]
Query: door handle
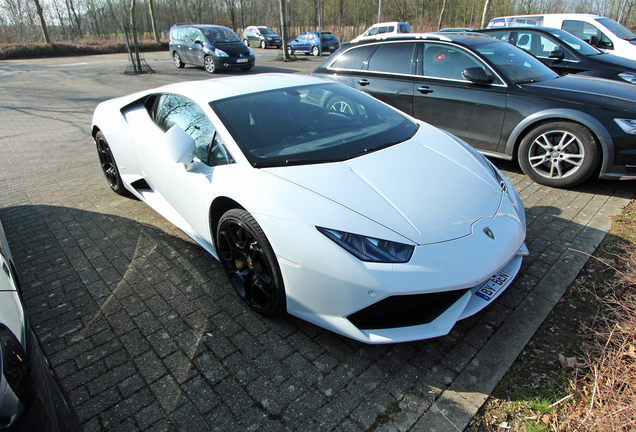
[364,82]
[425,90]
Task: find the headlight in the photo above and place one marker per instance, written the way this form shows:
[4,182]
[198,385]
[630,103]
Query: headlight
[369,248]
[628,125]
[251,52]
[220,53]
[630,77]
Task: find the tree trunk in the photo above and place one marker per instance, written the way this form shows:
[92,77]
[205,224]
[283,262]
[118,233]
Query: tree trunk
[484,18]
[441,15]
[40,12]
[283,26]
[151,5]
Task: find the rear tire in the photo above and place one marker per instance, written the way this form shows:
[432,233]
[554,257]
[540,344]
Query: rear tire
[315,51]
[559,154]
[109,166]
[177,60]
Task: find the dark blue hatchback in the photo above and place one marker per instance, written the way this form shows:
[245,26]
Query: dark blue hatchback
[307,43]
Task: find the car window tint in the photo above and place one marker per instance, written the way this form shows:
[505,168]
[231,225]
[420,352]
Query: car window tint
[393,58]
[174,110]
[503,35]
[446,62]
[355,58]
[310,124]
[584,31]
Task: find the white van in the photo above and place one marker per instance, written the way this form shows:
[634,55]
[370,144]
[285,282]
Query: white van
[604,33]
[384,29]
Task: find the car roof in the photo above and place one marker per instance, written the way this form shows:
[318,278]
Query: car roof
[460,37]
[200,26]
[224,87]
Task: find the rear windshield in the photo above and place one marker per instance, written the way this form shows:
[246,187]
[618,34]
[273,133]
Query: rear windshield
[311,124]
[328,36]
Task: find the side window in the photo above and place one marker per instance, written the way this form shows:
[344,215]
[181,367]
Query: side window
[446,62]
[586,31]
[393,58]
[181,33]
[302,37]
[354,59]
[170,110]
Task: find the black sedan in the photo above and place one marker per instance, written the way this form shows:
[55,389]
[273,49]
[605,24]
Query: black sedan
[501,100]
[565,53]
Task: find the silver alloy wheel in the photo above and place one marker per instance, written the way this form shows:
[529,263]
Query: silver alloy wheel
[315,51]
[263,44]
[177,60]
[209,64]
[556,154]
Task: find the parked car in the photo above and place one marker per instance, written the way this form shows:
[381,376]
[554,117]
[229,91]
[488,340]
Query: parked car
[336,216]
[565,53]
[261,36]
[601,32]
[211,46]
[32,397]
[501,100]
[307,43]
[384,29]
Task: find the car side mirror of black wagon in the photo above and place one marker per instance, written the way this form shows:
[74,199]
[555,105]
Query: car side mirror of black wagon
[477,75]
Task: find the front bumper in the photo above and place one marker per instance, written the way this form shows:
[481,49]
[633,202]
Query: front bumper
[327,286]
[234,62]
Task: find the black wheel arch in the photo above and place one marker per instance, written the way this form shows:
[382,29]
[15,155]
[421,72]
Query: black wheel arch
[218,208]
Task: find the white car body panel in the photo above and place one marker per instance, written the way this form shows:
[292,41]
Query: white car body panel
[431,192]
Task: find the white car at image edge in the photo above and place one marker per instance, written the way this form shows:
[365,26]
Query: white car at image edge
[321,201]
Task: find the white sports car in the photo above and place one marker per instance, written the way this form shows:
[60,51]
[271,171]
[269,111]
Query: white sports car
[320,200]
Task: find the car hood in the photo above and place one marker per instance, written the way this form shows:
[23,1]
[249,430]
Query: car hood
[429,189]
[587,90]
[232,47]
[623,63]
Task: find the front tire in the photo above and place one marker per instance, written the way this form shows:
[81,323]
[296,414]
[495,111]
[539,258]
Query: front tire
[290,51]
[263,46]
[250,262]
[208,62]
[109,166]
[246,42]
[177,60]
[559,154]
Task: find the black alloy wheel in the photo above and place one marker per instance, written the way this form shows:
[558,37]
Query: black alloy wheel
[250,263]
[109,166]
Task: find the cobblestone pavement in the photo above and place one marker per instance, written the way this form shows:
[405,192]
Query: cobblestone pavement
[147,334]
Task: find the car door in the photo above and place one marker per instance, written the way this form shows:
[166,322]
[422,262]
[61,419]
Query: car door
[183,190]
[444,98]
[298,42]
[389,74]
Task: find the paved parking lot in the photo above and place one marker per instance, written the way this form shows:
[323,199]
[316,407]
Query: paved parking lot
[147,334]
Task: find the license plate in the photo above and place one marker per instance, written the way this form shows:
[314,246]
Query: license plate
[241,60]
[493,286]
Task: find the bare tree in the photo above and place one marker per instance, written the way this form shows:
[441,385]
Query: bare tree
[40,12]
[485,16]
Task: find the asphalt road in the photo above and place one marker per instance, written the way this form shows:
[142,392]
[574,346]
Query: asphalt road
[147,334]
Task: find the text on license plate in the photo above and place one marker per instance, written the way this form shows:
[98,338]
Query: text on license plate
[494,284]
[241,60]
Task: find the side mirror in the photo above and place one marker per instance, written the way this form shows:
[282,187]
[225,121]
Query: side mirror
[557,55]
[477,75]
[594,41]
[180,146]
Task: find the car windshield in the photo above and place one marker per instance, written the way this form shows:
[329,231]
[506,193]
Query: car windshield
[310,124]
[617,29]
[575,43]
[516,64]
[265,31]
[220,34]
